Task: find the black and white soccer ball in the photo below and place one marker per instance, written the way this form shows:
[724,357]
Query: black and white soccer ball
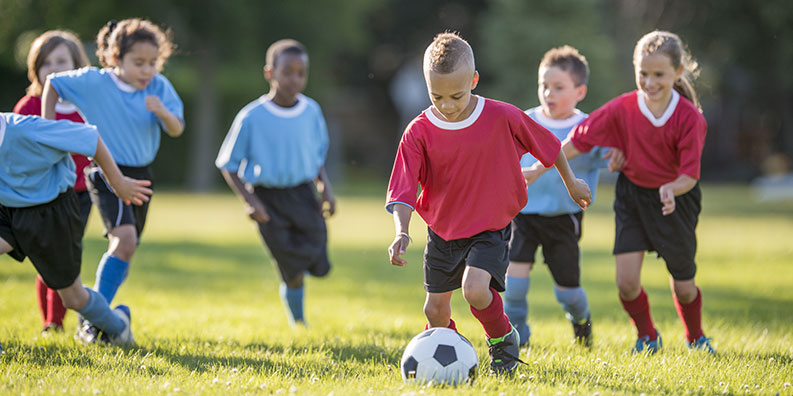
[440,356]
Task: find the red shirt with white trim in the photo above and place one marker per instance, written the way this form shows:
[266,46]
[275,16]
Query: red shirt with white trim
[657,149]
[469,170]
[31,105]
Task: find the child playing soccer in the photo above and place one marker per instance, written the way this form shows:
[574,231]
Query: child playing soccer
[550,218]
[39,212]
[465,152]
[130,103]
[55,51]
[273,157]
[661,130]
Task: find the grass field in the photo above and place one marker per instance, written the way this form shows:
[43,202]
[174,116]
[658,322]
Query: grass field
[207,318]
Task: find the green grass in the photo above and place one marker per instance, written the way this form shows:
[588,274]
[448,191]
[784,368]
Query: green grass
[207,318]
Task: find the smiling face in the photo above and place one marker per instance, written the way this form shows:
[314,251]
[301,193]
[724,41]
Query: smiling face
[450,93]
[655,78]
[139,65]
[558,93]
[288,77]
[60,59]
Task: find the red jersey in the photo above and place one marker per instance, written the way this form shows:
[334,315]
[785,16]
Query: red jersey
[469,170]
[31,105]
[657,150]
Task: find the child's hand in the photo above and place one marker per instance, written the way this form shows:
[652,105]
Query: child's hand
[154,105]
[581,194]
[667,194]
[132,191]
[328,204]
[616,159]
[257,212]
[398,248]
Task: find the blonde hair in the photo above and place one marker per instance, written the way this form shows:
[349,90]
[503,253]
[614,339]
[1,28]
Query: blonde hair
[41,48]
[669,44]
[447,52]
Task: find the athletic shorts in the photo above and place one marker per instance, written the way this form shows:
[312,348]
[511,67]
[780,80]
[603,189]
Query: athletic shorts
[296,234]
[558,236]
[84,203]
[640,226]
[113,210]
[445,261]
[50,235]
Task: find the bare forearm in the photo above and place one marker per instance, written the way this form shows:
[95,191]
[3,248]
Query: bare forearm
[173,125]
[569,149]
[238,186]
[683,184]
[402,215]
[323,182]
[106,162]
[49,98]
[563,167]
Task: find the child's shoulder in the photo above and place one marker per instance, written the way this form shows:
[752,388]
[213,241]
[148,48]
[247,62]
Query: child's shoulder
[30,105]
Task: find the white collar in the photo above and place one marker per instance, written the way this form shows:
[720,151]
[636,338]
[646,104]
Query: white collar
[284,112]
[670,109]
[549,122]
[480,104]
[65,108]
[2,128]
[120,84]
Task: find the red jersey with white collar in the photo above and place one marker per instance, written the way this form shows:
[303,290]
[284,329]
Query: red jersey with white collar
[31,105]
[657,149]
[469,170]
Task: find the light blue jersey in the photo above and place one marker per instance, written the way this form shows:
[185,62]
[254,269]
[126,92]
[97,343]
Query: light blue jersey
[130,131]
[273,146]
[548,195]
[35,165]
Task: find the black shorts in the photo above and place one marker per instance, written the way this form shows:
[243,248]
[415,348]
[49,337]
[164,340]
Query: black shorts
[113,210]
[84,202]
[640,226]
[50,235]
[296,234]
[445,261]
[558,235]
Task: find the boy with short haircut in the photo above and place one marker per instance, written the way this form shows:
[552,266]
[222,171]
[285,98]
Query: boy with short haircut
[465,152]
[39,215]
[272,157]
[550,219]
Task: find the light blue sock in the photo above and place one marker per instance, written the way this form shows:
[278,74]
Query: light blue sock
[516,305]
[293,301]
[98,312]
[573,301]
[110,274]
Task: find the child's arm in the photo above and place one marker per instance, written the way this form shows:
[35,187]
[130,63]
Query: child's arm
[534,171]
[49,97]
[323,186]
[173,125]
[129,190]
[253,206]
[668,192]
[577,188]
[402,215]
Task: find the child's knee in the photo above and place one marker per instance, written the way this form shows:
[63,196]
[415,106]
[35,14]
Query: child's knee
[476,294]
[436,310]
[295,282]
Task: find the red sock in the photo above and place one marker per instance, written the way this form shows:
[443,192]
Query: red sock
[691,315]
[639,310]
[451,325]
[493,318]
[41,294]
[55,309]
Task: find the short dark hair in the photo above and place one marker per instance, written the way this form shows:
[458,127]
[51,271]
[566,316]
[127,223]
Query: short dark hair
[128,32]
[570,60]
[447,52]
[284,46]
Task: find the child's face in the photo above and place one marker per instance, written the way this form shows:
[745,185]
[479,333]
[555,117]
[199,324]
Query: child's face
[450,93]
[655,77]
[289,75]
[139,65]
[558,93]
[60,59]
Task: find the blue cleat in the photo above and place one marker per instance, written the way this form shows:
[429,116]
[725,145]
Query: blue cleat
[644,344]
[702,344]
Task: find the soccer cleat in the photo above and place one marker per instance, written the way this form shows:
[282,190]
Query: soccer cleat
[125,337]
[50,329]
[702,344]
[86,332]
[644,344]
[583,332]
[504,352]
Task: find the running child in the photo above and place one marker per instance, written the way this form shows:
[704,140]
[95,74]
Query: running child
[273,158]
[130,103]
[55,51]
[465,152]
[39,210]
[661,130]
[551,219]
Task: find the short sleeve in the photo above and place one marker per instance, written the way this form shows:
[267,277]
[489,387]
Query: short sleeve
[170,99]
[535,139]
[601,128]
[690,146]
[403,184]
[235,146]
[66,136]
[75,86]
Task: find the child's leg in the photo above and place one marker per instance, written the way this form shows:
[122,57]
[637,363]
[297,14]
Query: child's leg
[485,302]
[632,295]
[5,247]
[574,302]
[41,297]
[516,304]
[438,310]
[92,306]
[688,302]
[114,266]
[291,292]
[55,309]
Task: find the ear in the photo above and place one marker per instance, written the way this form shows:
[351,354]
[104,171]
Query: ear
[580,92]
[475,81]
[679,72]
[268,73]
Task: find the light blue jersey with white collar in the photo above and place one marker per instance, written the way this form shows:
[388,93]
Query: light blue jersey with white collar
[130,131]
[35,165]
[274,146]
[548,195]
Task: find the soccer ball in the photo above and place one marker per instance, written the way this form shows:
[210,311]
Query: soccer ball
[440,356]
